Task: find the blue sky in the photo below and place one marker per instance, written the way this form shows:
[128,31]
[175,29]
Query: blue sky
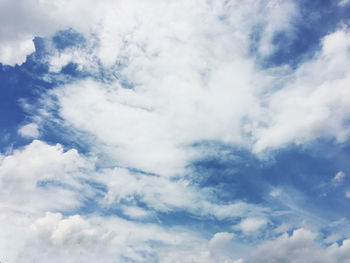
[188,131]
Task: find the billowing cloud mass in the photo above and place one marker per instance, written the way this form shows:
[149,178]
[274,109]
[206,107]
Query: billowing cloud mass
[299,247]
[33,177]
[174,131]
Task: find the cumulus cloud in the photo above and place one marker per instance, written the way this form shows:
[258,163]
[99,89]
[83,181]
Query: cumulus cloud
[12,53]
[73,238]
[36,18]
[41,177]
[299,247]
[57,238]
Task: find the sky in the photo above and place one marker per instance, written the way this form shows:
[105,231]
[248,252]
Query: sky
[175,131]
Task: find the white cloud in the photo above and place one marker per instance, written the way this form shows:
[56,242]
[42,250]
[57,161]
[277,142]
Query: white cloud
[41,177]
[299,247]
[314,103]
[136,212]
[343,3]
[30,178]
[252,225]
[89,238]
[108,239]
[30,130]
[185,92]
[220,240]
[12,53]
[167,195]
[41,18]
[13,235]
[115,23]
[168,65]
[278,19]
[112,238]
[24,197]
[339,177]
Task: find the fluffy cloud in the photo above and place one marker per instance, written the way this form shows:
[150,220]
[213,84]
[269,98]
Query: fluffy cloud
[41,177]
[30,130]
[70,239]
[56,238]
[300,247]
[12,53]
[37,18]
[74,238]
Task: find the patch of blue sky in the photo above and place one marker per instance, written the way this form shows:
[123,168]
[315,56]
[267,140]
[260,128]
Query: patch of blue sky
[17,84]
[67,39]
[33,76]
[302,174]
[25,84]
